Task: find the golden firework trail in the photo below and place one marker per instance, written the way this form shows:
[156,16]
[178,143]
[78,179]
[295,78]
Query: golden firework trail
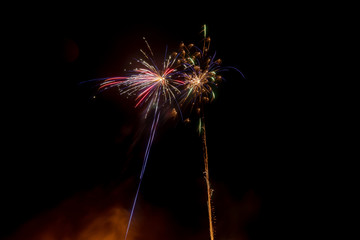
[201,76]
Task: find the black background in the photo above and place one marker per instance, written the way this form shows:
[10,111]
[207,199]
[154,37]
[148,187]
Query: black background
[264,132]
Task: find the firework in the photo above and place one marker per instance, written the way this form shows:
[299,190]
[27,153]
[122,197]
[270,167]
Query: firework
[201,74]
[155,88]
[201,77]
[152,86]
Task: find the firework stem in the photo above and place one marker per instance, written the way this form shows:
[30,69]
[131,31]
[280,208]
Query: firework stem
[207,178]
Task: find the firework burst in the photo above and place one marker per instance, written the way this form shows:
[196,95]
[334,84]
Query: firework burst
[200,74]
[155,88]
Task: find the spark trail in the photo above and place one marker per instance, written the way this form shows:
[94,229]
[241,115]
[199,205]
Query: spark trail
[207,179]
[146,157]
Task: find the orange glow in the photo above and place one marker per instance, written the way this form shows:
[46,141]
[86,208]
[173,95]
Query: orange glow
[94,215]
[103,215]
[97,215]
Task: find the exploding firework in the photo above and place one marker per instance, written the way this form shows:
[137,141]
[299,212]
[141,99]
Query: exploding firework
[155,88]
[201,77]
[201,74]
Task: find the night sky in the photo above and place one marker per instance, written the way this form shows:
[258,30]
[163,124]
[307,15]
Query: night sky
[61,144]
